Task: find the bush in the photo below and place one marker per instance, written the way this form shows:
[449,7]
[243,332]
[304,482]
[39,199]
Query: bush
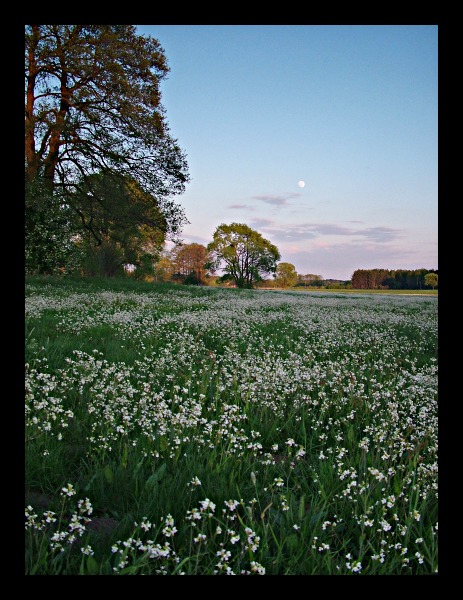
[49,249]
[105,260]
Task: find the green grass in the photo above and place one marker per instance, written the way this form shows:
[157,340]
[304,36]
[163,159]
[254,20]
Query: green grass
[205,430]
[424,292]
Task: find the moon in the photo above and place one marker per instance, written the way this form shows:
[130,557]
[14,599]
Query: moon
[301,184]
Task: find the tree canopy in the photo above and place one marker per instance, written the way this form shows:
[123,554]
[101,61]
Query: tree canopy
[431,279]
[242,253]
[400,279]
[190,261]
[93,106]
[49,227]
[309,279]
[118,211]
[286,275]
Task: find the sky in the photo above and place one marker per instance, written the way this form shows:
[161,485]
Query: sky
[349,110]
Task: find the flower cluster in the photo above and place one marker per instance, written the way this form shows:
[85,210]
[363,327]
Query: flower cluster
[314,394]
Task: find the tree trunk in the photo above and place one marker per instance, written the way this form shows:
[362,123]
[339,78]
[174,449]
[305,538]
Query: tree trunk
[31,155]
[55,139]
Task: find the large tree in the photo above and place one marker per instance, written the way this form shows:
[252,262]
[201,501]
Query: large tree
[286,275]
[164,268]
[93,104]
[242,253]
[190,261]
[123,216]
[431,279]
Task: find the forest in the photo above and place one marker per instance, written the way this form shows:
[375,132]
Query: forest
[401,279]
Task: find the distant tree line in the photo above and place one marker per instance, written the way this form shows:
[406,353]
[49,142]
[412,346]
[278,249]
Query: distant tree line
[194,264]
[401,279]
[309,280]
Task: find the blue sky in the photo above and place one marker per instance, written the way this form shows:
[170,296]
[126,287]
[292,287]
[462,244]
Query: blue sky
[351,110]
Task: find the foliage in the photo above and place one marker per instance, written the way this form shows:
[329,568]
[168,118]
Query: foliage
[117,213]
[105,260]
[93,111]
[286,275]
[431,279]
[400,279]
[309,279]
[49,229]
[190,261]
[164,268]
[245,254]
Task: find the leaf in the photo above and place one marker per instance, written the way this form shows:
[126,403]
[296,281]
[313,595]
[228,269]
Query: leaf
[160,472]
[293,541]
[151,484]
[153,481]
[351,434]
[89,484]
[92,565]
[164,444]
[138,466]
[180,565]
[319,516]
[107,471]
[262,514]
[301,507]
[125,456]
[132,570]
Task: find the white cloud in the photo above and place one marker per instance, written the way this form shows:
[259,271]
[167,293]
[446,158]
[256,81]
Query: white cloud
[309,231]
[277,200]
[242,207]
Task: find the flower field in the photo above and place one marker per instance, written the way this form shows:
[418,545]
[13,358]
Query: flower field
[195,430]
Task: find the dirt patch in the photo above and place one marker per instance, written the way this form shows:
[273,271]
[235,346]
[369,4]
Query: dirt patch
[38,500]
[103,527]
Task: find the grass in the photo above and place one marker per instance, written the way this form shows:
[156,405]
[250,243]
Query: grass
[424,292]
[185,430]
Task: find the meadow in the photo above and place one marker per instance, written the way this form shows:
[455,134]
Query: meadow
[198,431]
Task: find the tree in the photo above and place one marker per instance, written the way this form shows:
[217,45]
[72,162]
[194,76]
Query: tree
[49,229]
[286,275]
[93,105]
[309,279]
[164,268]
[190,261]
[245,254]
[386,279]
[123,217]
[431,279]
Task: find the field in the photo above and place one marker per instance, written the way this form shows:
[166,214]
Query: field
[188,430]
